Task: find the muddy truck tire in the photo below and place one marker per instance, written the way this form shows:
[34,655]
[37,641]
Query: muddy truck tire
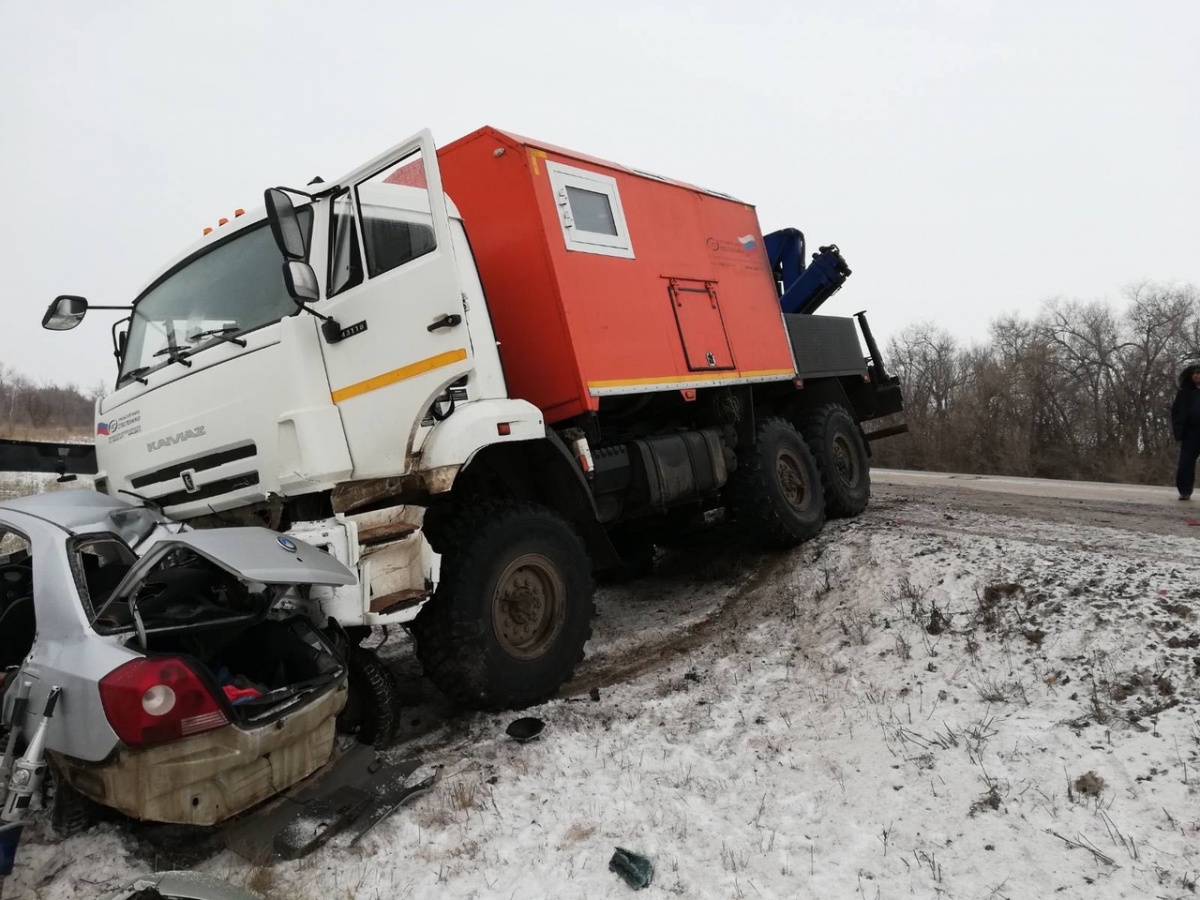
[372,710]
[837,445]
[775,495]
[513,612]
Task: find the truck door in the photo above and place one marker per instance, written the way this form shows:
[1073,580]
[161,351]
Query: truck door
[392,285]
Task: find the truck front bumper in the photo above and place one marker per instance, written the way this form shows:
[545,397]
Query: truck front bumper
[397,568]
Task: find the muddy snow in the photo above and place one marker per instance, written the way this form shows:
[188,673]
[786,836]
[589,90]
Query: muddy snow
[941,698]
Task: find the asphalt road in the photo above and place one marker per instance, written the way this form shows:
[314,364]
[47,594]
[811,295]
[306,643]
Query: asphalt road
[1137,507]
[1035,487]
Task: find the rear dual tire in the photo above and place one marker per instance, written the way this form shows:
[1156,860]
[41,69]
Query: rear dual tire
[775,495]
[837,445]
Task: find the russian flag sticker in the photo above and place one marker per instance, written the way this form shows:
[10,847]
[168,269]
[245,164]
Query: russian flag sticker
[102,428]
[747,241]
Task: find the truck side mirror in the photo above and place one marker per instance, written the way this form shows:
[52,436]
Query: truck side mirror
[300,281]
[285,225]
[65,313]
[298,276]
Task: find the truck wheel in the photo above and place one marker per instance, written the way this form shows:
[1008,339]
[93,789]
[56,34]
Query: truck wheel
[511,616]
[837,444]
[372,710]
[774,494]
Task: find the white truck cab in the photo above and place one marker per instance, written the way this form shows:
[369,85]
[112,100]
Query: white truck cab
[231,396]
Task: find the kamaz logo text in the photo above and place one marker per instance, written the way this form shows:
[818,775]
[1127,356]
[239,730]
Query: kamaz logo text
[198,431]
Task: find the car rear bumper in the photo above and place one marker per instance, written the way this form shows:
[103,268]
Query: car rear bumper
[205,779]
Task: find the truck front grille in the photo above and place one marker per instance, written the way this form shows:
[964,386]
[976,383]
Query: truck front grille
[212,489]
[199,464]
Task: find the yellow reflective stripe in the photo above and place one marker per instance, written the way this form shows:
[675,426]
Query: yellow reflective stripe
[683,379]
[410,371]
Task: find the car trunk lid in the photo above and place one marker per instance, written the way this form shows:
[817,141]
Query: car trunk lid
[219,600]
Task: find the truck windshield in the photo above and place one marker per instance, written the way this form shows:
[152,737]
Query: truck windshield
[233,287]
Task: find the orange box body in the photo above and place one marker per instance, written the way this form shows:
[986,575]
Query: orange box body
[695,306]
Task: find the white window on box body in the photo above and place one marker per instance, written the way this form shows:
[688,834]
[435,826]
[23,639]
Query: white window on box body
[589,211]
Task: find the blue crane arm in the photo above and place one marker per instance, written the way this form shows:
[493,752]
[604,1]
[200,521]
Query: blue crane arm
[803,290]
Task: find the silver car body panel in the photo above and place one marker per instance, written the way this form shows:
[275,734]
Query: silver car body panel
[79,727]
[72,510]
[251,554]
[68,653]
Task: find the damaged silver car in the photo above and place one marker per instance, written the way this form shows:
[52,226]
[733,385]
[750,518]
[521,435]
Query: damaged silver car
[194,684]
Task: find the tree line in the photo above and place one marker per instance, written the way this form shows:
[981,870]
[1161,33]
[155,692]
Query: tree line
[1082,390]
[29,410]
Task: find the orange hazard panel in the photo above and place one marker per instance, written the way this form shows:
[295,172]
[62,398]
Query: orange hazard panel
[701,328]
[602,280]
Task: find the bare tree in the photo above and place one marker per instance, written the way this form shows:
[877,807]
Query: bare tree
[1079,391]
[29,410]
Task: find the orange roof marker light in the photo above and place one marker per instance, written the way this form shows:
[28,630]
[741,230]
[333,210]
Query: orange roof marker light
[238,212]
[222,221]
[208,230]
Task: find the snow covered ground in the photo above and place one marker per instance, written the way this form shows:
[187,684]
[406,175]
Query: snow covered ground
[937,699]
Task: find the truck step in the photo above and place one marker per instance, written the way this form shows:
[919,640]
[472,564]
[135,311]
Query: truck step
[396,601]
[381,534]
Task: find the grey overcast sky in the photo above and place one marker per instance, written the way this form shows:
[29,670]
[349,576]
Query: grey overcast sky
[970,158]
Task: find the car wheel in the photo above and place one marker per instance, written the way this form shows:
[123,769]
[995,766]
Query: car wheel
[372,710]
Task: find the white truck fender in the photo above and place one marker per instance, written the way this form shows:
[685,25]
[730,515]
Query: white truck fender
[475,425]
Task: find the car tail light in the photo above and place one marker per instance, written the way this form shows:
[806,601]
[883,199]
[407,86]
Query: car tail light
[155,701]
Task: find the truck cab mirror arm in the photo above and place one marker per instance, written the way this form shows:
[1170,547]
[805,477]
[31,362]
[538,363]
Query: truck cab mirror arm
[298,276]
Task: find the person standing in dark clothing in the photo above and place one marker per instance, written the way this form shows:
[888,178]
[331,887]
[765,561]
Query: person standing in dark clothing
[1185,422]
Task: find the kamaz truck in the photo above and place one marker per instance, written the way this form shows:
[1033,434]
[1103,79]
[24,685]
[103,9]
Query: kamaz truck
[479,374]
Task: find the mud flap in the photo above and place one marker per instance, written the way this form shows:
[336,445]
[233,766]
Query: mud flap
[356,786]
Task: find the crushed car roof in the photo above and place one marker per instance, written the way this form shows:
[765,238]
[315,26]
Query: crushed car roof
[70,509]
[255,553]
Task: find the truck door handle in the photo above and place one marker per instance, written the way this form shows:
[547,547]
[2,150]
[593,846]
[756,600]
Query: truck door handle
[447,321]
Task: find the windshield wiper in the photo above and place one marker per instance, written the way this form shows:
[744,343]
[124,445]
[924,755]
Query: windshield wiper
[222,334]
[149,502]
[135,375]
[173,351]
[175,354]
